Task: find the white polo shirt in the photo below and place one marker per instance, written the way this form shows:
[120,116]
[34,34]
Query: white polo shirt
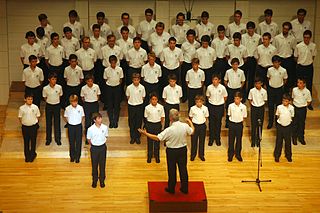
[233,28]
[90,94]
[135,94]
[73,75]
[132,32]
[97,135]
[26,50]
[47,30]
[175,135]
[206,57]
[239,52]
[86,58]
[171,94]
[195,78]
[298,28]
[198,115]
[216,94]
[55,55]
[220,46]
[271,28]
[32,78]
[29,114]
[74,115]
[250,42]
[171,58]
[97,44]
[264,55]
[204,29]
[179,32]
[285,114]
[301,97]
[284,45]
[44,44]
[70,46]
[158,42]
[258,97]
[113,76]
[105,30]
[189,50]
[77,29]
[151,74]
[136,58]
[145,29]
[154,113]
[236,112]
[277,76]
[305,53]
[52,94]
[125,45]
[107,51]
[234,78]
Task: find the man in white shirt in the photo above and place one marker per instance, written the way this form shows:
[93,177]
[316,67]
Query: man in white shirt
[105,29]
[158,40]
[268,25]
[76,27]
[145,28]
[86,57]
[125,18]
[299,25]
[179,30]
[111,49]
[204,27]
[70,45]
[236,26]
[176,152]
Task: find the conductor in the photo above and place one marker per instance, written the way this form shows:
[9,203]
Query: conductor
[176,152]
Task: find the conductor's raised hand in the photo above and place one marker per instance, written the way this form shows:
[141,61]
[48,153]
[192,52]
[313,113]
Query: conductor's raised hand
[142,131]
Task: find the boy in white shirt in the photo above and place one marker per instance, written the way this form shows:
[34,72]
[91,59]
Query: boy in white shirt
[300,25]
[86,57]
[28,117]
[198,114]
[48,29]
[158,40]
[76,27]
[70,45]
[236,26]
[43,41]
[285,114]
[105,29]
[74,115]
[154,115]
[179,30]
[268,26]
[145,28]
[237,112]
[111,49]
[204,27]
[29,48]
[125,18]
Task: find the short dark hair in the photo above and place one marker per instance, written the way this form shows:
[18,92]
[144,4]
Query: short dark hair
[251,25]
[181,14]
[153,94]
[221,28]
[125,14]
[238,12]
[307,32]
[111,36]
[73,56]
[267,34]
[287,24]
[73,13]
[40,31]
[96,115]
[235,60]
[276,58]
[236,35]
[172,39]
[100,15]
[286,96]
[136,39]
[205,38]
[237,94]
[301,10]
[301,79]
[204,14]
[172,76]
[216,75]
[42,16]
[148,10]
[88,77]
[67,29]
[32,57]
[54,34]
[191,32]
[96,26]
[195,61]
[124,29]
[52,75]
[136,75]
[28,95]
[160,24]
[268,12]
[113,58]
[199,97]
[30,34]
[258,79]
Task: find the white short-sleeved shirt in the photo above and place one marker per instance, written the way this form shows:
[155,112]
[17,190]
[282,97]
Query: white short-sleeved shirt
[97,44]
[233,28]
[179,32]
[250,42]
[206,57]
[271,28]
[136,58]
[97,135]
[70,46]
[175,135]
[234,78]
[86,58]
[258,97]
[298,28]
[285,114]
[125,45]
[135,94]
[237,113]
[151,74]
[73,75]
[44,44]
[305,53]
[74,114]
[171,94]
[107,51]
[204,29]
[105,30]
[145,29]
[301,97]
[239,52]
[277,76]
[77,29]
[154,113]
[220,45]
[171,58]
[264,55]
[189,50]
[32,78]
[55,55]
[90,94]
[198,115]
[52,94]
[113,76]
[29,114]
[285,45]
[158,42]
[26,50]
[132,32]
[195,78]
[47,30]
[216,94]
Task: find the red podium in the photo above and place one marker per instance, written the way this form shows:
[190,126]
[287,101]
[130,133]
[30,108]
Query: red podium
[161,201]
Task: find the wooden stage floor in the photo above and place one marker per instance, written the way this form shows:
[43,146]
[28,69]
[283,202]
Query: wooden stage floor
[53,184]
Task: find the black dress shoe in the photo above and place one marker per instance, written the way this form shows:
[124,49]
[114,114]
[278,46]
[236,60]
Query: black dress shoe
[149,160]
[87,143]
[102,185]
[94,184]
[303,142]
[227,125]
[230,159]
[157,160]
[58,143]
[294,141]
[239,158]
[77,160]
[115,125]
[138,141]
[33,157]
[289,159]
[184,191]
[26,160]
[111,125]
[48,143]
[253,145]
[169,191]
[218,142]
[192,158]
[269,126]
[132,141]
[276,160]
[202,158]
[210,143]
[71,159]
[310,107]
